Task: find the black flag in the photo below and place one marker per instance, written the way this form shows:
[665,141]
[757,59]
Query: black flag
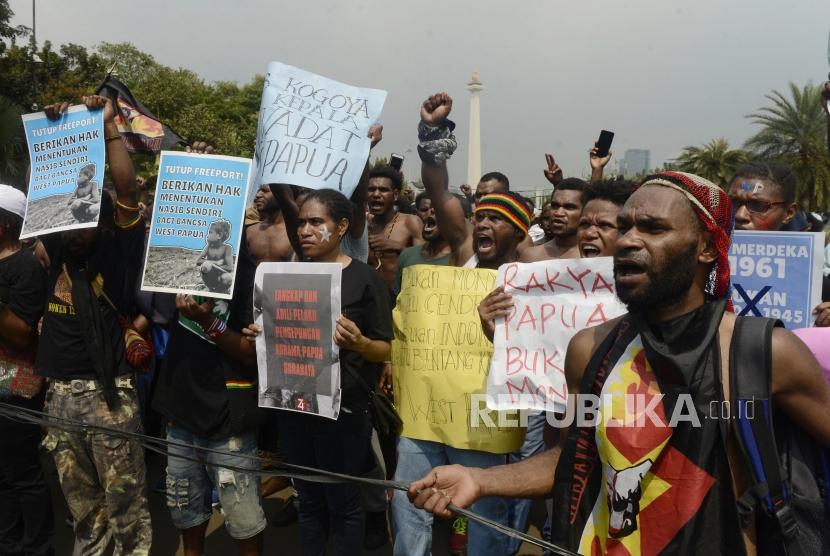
[141,131]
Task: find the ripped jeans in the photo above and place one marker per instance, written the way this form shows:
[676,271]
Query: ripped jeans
[189,483]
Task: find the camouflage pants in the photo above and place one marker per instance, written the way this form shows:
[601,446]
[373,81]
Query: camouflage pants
[103,478]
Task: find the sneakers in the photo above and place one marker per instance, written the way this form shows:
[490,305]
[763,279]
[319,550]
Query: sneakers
[458,537]
[376,533]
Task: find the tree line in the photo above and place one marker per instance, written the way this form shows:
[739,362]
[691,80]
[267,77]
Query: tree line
[791,129]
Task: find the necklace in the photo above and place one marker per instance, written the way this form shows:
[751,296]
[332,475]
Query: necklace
[388,235]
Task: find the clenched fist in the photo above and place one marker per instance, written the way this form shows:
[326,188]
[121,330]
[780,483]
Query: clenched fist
[436,108]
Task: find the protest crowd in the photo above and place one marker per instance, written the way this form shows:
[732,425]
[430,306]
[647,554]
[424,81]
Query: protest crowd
[118,346]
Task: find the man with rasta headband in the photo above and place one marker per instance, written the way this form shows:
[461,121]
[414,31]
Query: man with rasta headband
[647,487]
[501,221]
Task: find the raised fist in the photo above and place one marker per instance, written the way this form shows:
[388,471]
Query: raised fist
[436,108]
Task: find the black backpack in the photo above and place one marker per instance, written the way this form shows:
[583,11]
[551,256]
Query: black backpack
[789,472]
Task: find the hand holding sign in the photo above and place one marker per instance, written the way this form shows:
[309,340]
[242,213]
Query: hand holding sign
[200,313]
[436,109]
[497,304]
[55,111]
[97,102]
[251,332]
[200,147]
[348,336]
[375,135]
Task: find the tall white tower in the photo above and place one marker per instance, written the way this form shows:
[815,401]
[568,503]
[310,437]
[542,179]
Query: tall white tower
[474,143]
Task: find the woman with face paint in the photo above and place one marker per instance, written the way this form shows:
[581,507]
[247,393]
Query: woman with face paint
[363,332]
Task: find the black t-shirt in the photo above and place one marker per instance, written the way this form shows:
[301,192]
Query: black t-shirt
[23,286]
[114,267]
[202,389]
[365,301]
[22,291]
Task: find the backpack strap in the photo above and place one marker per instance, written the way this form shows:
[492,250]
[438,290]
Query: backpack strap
[750,377]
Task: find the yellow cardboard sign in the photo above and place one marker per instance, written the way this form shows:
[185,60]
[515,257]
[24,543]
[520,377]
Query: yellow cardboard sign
[441,358]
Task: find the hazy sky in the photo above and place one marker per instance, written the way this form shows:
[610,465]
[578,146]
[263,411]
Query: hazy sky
[662,74]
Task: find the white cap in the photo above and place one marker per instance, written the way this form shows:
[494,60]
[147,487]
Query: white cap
[13,200]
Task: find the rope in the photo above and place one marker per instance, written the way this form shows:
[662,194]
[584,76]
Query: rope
[162,445]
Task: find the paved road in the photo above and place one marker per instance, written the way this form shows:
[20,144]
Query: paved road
[278,540]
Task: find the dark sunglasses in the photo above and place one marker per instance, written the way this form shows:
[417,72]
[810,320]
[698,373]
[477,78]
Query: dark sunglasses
[756,206]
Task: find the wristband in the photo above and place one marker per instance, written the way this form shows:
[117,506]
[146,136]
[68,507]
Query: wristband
[108,138]
[216,329]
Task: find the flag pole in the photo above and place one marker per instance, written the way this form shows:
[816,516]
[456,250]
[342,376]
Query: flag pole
[106,77]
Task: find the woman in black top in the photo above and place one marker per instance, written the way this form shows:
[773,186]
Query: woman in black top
[363,333]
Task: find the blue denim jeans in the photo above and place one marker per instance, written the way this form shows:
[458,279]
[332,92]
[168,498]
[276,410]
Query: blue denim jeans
[189,483]
[519,508]
[413,527]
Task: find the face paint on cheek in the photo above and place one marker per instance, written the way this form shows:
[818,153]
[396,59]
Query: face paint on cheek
[763,223]
[324,232]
